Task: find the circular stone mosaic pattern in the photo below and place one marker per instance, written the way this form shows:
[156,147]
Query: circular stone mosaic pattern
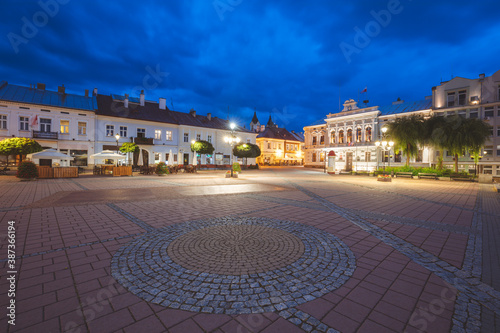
[236,249]
[233,265]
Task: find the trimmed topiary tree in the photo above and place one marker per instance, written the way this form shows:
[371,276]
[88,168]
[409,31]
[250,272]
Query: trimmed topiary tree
[129,147]
[19,146]
[27,170]
[246,150]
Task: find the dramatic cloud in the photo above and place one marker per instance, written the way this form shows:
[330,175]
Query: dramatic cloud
[290,59]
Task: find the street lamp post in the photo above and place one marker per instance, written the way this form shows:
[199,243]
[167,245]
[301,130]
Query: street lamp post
[117,137]
[232,139]
[385,146]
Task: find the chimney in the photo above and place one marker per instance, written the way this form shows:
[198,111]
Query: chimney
[125,102]
[40,86]
[209,116]
[142,97]
[163,103]
[86,93]
[94,93]
[61,89]
[192,112]
[481,76]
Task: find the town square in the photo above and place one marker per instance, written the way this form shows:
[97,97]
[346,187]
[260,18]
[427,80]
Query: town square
[236,166]
[346,253]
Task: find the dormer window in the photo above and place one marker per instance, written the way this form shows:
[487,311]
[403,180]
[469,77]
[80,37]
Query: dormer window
[456,98]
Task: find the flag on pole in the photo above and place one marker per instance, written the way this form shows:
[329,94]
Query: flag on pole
[34,121]
[364,90]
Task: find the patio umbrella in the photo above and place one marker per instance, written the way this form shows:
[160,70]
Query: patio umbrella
[49,154]
[140,160]
[170,158]
[108,154]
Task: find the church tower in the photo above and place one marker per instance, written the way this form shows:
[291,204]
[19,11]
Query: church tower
[255,125]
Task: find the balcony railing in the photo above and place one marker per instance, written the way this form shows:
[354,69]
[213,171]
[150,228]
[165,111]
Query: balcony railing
[45,135]
[144,141]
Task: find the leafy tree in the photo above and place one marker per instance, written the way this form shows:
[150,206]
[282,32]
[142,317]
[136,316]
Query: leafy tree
[246,150]
[408,133]
[202,147]
[462,135]
[129,147]
[434,133]
[19,146]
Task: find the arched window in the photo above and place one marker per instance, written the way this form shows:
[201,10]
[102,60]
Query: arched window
[349,135]
[341,136]
[368,134]
[332,137]
[358,134]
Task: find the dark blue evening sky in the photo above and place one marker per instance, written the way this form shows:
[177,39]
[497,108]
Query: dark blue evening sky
[288,58]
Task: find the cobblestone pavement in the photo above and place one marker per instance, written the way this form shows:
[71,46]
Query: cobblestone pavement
[276,250]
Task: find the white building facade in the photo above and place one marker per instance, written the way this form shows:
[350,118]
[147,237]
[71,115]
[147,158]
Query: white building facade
[351,134]
[473,98]
[65,122]
[160,132]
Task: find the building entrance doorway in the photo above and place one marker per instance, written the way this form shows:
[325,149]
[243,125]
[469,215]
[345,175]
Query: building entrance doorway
[186,159]
[348,161]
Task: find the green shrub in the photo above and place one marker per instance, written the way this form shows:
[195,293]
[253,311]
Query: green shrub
[236,167]
[27,170]
[161,169]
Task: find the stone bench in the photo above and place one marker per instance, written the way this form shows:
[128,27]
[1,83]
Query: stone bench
[458,176]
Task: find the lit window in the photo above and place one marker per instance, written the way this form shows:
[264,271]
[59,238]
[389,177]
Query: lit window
[358,134]
[349,135]
[341,136]
[82,128]
[64,126]
[3,121]
[24,123]
[168,135]
[110,130]
[123,131]
[368,134]
[158,134]
[332,137]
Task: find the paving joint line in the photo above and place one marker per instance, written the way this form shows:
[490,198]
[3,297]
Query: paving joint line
[131,217]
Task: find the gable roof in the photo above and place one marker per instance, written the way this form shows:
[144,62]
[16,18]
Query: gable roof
[114,107]
[277,133]
[20,94]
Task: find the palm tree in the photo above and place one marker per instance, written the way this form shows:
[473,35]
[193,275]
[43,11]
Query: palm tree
[462,135]
[408,133]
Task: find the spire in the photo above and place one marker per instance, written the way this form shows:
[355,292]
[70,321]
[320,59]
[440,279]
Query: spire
[255,120]
[270,122]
